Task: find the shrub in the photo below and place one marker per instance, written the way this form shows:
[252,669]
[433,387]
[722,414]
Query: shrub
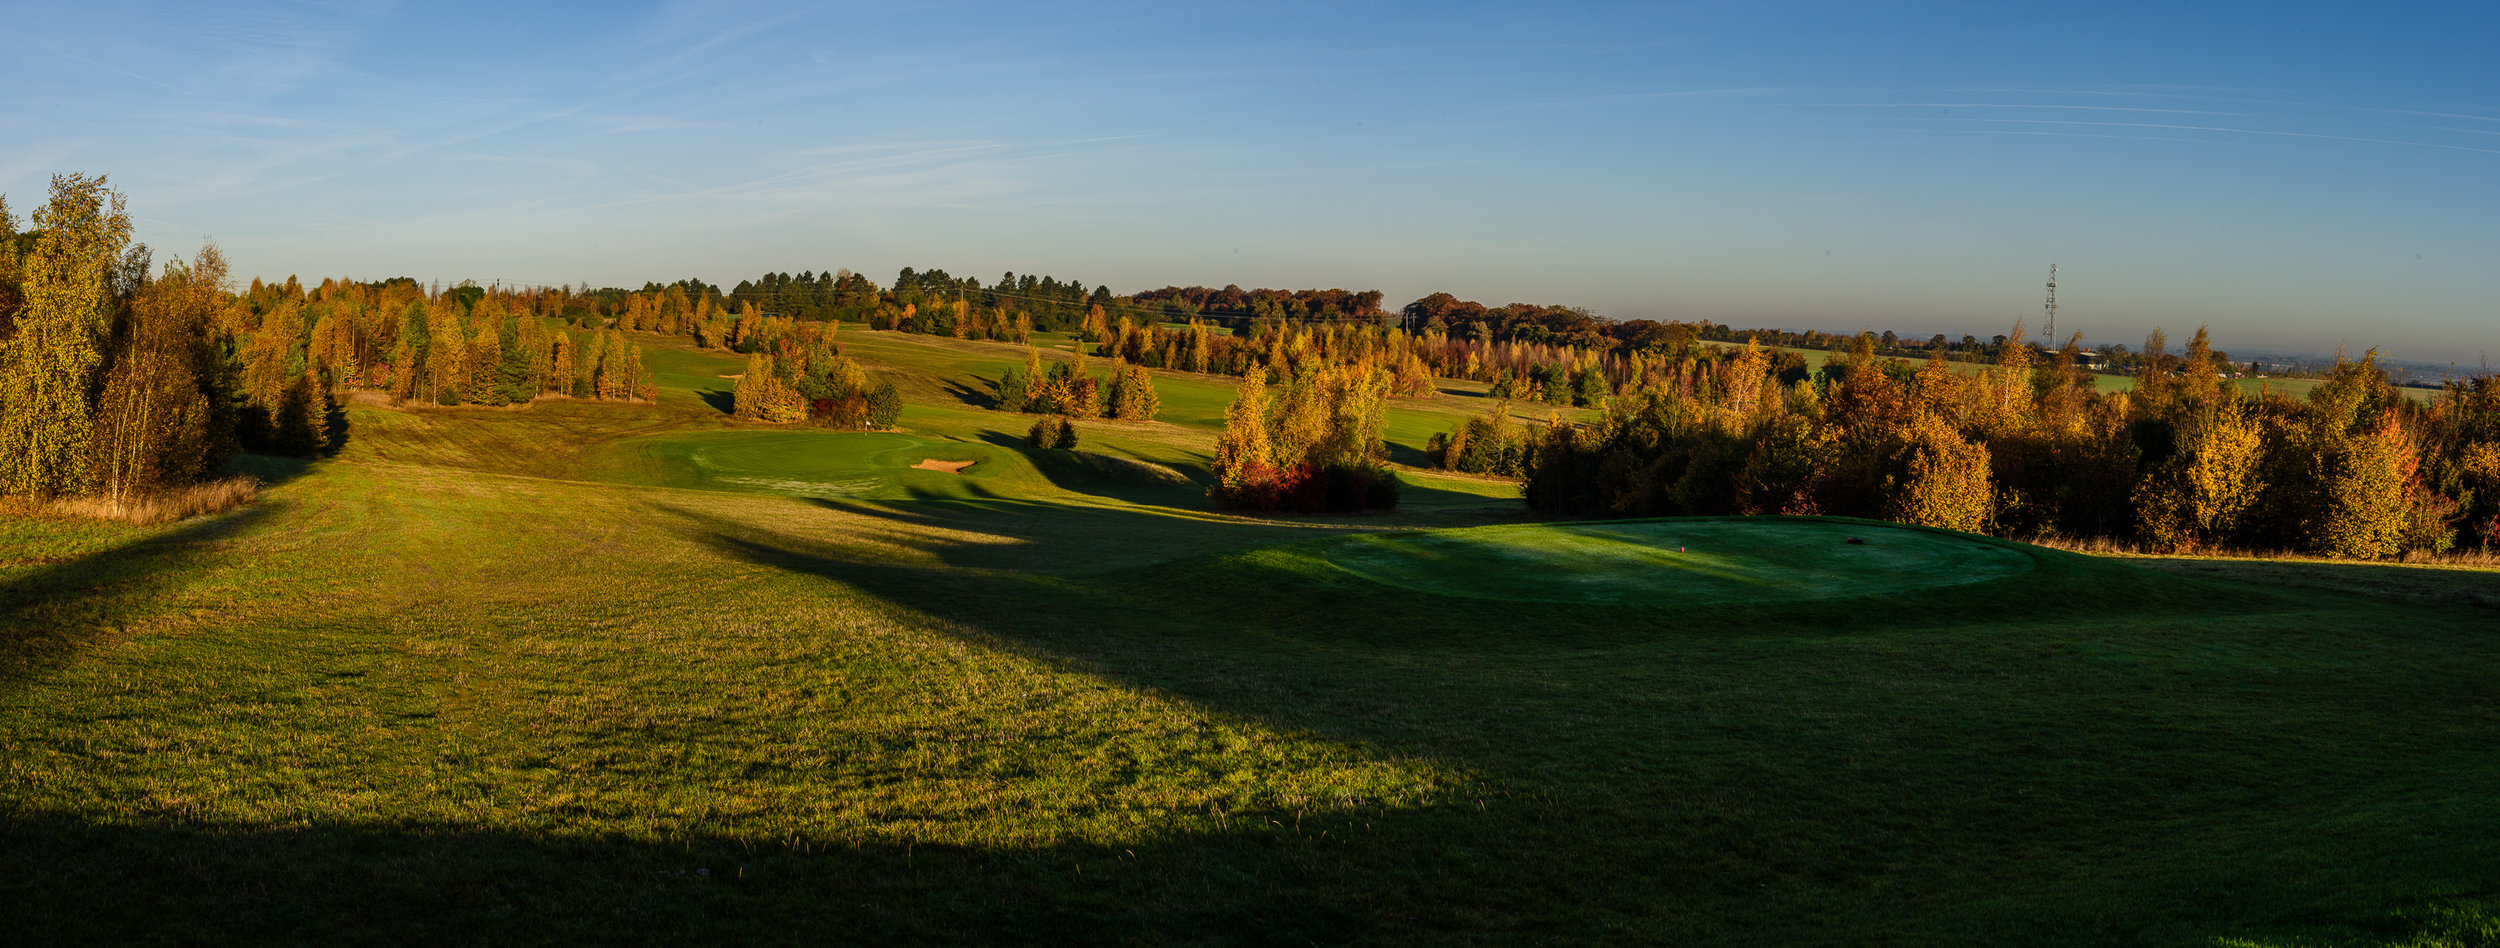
[165,505]
[1133,395]
[885,405]
[1051,431]
[1946,481]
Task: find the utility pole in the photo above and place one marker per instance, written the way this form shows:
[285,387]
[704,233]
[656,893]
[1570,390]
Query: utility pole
[2050,325]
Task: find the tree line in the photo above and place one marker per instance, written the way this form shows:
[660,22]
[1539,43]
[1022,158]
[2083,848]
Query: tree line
[2026,449]
[116,380]
[466,345]
[111,383]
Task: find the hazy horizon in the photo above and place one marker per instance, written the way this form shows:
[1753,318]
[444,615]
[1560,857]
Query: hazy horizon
[2294,177]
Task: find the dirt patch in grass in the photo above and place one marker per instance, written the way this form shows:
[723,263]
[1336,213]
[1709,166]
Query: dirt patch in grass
[950,467]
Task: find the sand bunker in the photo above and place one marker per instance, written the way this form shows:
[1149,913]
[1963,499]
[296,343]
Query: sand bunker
[950,467]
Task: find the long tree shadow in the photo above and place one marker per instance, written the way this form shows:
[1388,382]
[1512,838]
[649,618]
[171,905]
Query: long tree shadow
[2021,762]
[1907,743]
[1179,487]
[983,396]
[335,430]
[72,881]
[52,613]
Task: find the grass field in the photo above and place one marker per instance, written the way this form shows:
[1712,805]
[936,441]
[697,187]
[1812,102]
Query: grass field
[1667,563]
[637,674]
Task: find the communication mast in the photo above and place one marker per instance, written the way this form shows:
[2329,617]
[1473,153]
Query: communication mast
[2050,325]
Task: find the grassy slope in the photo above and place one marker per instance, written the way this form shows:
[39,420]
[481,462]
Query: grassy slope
[487,677]
[1670,563]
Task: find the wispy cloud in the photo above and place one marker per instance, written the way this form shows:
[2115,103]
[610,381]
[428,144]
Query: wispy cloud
[57,50]
[1627,98]
[1992,105]
[2225,130]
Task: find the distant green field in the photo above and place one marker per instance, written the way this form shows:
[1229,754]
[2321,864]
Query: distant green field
[1818,358]
[860,464]
[2106,383]
[592,673]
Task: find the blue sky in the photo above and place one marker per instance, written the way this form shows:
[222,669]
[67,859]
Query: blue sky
[2296,176]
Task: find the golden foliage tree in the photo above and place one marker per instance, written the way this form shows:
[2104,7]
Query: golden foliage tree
[1242,451]
[563,363]
[2199,380]
[485,355]
[2198,496]
[1945,482]
[2367,505]
[162,419]
[762,394]
[1133,395]
[48,365]
[446,351]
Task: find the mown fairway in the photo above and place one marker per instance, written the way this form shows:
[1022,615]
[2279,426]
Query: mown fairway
[596,673]
[1690,561]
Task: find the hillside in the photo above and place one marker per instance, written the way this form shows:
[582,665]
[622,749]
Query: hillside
[599,672]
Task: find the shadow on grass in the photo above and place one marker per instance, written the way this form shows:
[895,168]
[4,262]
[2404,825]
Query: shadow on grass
[1409,456]
[723,402]
[2041,759]
[335,429]
[2091,755]
[1108,476]
[985,396]
[1420,497]
[2462,587]
[48,616]
[72,881]
[271,470]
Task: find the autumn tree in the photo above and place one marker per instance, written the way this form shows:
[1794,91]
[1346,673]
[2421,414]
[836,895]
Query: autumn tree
[1051,431]
[2366,507]
[48,364]
[2465,455]
[762,395]
[2198,494]
[484,370]
[1133,395]
[1323,450]
[1075,392]
[12,294]
[164,418]
[1243,459]
[1944,481]
[446,351]
[1021,390]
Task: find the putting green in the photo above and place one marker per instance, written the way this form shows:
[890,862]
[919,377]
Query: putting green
[1673,562]
[849,464]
